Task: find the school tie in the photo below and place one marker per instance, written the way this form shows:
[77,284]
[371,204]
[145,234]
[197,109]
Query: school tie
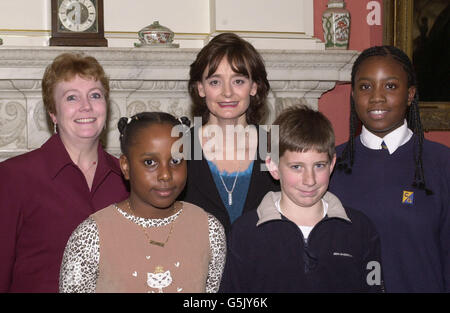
[383,146]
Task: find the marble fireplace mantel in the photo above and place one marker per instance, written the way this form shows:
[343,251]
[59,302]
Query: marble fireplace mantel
[148,79]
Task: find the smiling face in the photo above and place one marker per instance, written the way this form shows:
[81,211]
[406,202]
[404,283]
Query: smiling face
[80,109]
[304,178]
[227,94]
[381,94]
[156,178]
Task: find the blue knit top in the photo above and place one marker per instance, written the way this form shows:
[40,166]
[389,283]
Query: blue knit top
[239,192]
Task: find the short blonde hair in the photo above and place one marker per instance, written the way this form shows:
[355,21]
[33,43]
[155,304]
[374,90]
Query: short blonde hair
[65,67]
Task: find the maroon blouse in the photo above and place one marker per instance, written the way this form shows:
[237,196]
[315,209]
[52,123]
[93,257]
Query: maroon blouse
[44,196]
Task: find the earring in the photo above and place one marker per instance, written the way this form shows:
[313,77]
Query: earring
[55,130]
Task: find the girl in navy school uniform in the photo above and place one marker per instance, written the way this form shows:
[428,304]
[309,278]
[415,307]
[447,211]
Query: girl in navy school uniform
[395,176]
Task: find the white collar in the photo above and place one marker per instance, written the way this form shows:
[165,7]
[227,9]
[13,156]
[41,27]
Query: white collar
[393,140]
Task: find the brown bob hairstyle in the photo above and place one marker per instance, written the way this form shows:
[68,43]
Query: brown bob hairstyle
[303,129]
[243,59]
[65,67]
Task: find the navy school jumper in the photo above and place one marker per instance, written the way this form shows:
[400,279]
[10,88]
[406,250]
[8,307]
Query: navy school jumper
[414,227]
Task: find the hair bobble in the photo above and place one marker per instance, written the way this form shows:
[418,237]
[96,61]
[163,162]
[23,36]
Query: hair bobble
[184,120]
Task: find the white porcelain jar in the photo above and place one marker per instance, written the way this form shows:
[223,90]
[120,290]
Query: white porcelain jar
[155,35]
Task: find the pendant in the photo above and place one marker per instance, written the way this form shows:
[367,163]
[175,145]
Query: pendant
[230,198]
[156,243]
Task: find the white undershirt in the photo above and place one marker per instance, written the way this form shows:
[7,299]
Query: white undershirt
[305,229]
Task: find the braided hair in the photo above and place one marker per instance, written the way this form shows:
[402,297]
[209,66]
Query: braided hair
[346,161]
[130,126]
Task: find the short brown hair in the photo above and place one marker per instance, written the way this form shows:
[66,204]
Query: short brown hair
[302,129]
[243,59]
[65,67]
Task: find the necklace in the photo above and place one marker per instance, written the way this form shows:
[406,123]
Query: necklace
[230,192]
[93,163]
[151,241]
[88,168]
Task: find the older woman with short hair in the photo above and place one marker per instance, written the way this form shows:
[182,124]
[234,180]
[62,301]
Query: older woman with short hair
[47,192]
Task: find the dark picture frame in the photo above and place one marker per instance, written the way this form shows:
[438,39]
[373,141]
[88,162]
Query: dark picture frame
[398,24]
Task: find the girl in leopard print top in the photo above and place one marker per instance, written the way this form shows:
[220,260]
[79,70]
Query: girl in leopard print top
[149,242]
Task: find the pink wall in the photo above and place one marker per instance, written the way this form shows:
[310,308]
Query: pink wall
[335,104]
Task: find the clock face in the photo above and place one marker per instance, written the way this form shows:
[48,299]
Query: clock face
[77,16]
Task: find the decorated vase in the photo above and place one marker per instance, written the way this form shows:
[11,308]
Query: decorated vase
[336,25]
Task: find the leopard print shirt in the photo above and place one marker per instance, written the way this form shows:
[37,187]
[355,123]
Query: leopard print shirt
[80,264]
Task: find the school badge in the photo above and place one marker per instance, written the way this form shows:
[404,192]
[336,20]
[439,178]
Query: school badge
[408,197]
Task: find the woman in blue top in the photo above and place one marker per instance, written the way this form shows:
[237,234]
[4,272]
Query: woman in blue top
[228,85]
[395,176]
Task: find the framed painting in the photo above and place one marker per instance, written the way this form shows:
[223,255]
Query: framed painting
[421,28]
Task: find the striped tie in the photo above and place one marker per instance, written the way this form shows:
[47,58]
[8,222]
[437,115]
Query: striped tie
[383,146]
